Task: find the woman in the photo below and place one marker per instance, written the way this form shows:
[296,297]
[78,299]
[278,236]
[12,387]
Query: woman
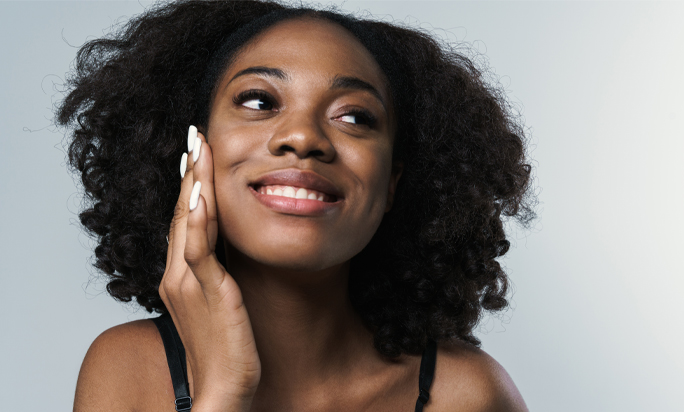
[341,193]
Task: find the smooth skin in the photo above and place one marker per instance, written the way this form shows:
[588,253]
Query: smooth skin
[275,329]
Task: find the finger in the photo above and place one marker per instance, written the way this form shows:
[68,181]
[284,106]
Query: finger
[198,253]
[203,171]
[178,224]
[170,236]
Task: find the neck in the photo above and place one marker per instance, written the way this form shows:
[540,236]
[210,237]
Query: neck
[305,327]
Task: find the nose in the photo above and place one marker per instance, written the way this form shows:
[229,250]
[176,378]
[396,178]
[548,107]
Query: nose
[304,138]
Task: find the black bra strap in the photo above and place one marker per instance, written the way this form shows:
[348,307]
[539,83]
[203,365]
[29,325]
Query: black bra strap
[175,356]
[427,372]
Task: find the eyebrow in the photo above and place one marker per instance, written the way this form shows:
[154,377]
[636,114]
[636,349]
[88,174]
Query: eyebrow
[262,71]
[339,82]
[354,83]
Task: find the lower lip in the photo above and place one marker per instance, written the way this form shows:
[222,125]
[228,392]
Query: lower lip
[299,207]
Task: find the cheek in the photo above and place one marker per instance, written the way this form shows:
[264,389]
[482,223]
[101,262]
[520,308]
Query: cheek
[232,145]
[232,150]
[371,167]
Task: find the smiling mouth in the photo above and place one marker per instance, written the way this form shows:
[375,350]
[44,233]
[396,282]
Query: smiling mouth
[294,192]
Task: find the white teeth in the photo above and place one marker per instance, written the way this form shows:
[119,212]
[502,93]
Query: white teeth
[301,193]
[292,192]
[289,192]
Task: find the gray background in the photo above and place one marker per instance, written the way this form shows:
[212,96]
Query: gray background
[596,323]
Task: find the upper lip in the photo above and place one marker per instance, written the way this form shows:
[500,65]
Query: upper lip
[299,178]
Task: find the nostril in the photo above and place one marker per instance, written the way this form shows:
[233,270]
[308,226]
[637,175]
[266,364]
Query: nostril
[312,153]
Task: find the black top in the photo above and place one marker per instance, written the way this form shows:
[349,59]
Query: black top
[175,356]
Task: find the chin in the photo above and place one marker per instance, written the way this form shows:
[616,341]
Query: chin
[291,255]
[298,265]
[306,259]
[293,243]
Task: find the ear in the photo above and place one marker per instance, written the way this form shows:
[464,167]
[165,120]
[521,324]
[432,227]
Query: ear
[397,168]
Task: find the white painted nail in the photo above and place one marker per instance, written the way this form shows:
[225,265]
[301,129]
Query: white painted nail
[184,164]
[192,135]
[194,196]
[196,149]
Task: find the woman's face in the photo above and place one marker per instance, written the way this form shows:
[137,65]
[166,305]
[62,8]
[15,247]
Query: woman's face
[303,111]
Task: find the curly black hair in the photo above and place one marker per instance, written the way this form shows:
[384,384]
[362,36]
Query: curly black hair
[429,272]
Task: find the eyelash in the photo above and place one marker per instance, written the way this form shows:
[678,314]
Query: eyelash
[253,95]
[367,118]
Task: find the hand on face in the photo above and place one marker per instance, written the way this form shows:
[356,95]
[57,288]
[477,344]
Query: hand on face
[203,300]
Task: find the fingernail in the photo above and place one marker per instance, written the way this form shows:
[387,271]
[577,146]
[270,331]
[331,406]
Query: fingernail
[184,164]
[194,196]
[196,149]
[192,135]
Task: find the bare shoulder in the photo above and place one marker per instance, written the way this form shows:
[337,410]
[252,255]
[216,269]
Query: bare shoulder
[124,370]
[468,379]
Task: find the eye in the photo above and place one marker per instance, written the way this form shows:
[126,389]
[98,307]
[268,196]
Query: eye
[360,117]
[255,100]
[258,104]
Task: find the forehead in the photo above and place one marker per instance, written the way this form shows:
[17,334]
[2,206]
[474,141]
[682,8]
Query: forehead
[313,48]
